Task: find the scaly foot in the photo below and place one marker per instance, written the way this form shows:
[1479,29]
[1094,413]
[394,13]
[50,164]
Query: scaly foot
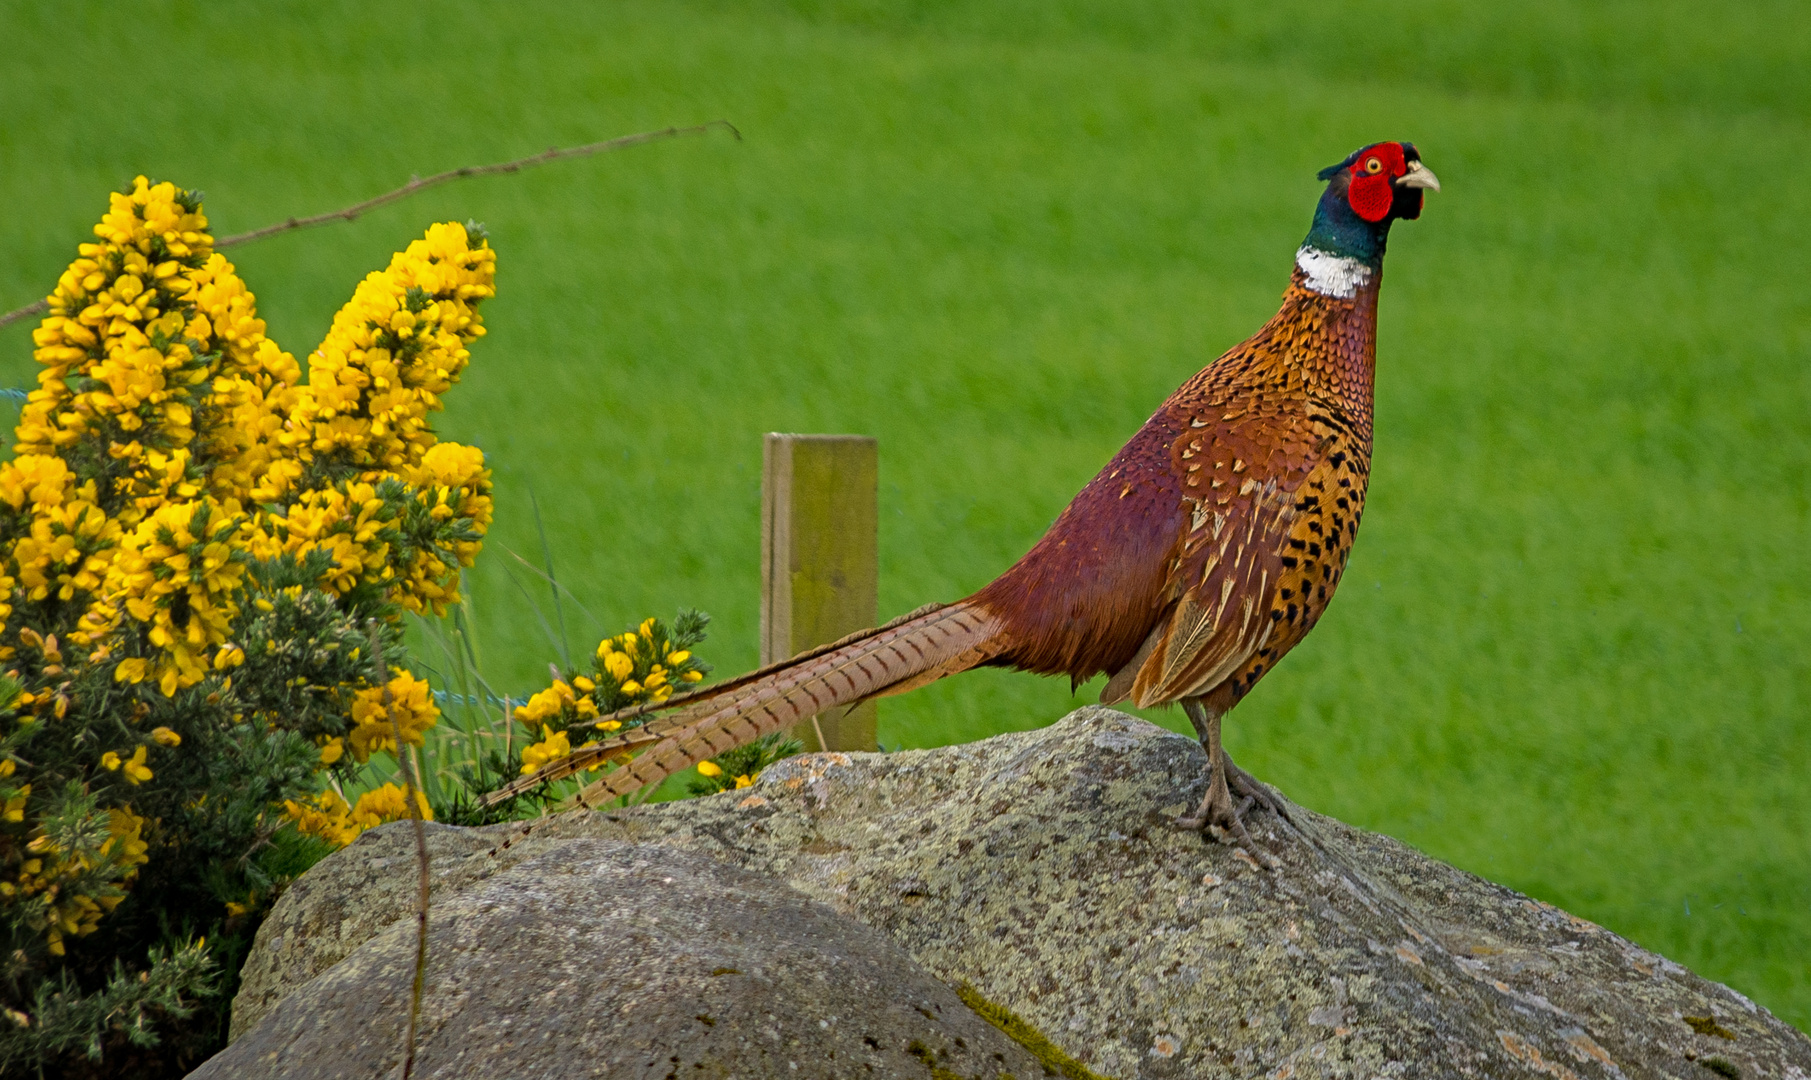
[1218,815]
[1255,791]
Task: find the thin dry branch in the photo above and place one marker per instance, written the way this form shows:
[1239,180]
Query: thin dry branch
[419,184]
[423,881]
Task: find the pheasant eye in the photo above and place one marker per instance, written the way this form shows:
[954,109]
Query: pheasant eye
[1373,166]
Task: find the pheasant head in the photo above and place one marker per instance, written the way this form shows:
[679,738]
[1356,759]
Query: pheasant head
[1365,194]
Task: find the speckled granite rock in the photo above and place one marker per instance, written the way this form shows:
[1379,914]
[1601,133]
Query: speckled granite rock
[1040,867]
[608,959]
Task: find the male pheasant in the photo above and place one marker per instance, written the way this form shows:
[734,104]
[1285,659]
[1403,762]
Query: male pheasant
[1199,556]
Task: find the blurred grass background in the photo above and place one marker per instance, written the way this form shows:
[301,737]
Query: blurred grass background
[1570,653]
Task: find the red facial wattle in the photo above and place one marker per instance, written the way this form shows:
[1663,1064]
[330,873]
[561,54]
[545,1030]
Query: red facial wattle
[1371,191]
[1371,196]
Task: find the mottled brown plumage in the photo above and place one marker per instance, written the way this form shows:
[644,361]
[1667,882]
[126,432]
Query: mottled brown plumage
[1203,552]
[1213,540]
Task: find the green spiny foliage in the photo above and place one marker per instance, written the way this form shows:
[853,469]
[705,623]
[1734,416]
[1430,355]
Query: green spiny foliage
[64,1021]
[739,767]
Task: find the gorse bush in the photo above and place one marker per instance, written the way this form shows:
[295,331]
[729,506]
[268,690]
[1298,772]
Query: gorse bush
[644,664]
[203,571]
[201,553]
[204,567]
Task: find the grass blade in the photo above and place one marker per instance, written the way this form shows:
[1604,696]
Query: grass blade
[553,581]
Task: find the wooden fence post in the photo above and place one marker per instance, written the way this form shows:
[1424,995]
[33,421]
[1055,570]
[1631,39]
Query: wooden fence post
[819,560]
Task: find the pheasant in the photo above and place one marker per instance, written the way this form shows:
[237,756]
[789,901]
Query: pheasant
[1203,552]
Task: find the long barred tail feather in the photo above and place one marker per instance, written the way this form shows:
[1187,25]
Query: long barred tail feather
[943,641]
[691,698]
[589,756]
[915,649]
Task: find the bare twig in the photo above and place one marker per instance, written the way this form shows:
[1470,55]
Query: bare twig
[552,153]
[409,787]
[352,212]
[25,312]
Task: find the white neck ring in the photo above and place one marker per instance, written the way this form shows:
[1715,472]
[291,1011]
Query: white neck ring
[1333,275]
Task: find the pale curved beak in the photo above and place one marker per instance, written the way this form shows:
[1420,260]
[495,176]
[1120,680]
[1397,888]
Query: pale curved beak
[1419,176]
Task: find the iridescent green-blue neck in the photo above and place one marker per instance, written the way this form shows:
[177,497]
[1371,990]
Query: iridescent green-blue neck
[1338,230]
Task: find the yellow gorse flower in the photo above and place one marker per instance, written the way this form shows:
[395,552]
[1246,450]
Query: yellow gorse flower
[387,803]
[164,331]
[328,816]
[545,705]
[134,767]
[395,347]
[411,705]
[333,819]
[48,870]
[552,747]
[124,842]
[639,666]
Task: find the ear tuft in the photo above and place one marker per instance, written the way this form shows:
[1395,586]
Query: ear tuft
[1331,171]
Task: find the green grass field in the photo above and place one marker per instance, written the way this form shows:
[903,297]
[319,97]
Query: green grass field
[1570,653]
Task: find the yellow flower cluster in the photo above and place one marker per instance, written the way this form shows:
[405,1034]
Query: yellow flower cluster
[552,747]
[333,819]
[66,538]
[410,706]
[453,484]
[123,321]
[558,701]
[642,665]
[139,327]
[163,332]
[347,522]
[631,668]
[393,350]
[46,872]
[179,574]
[711,770]
[637,666]
[170,445]
[325,449]
[134,767]
[15,805]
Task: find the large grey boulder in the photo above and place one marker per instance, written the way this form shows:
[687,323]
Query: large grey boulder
[1041,868]
[606,959]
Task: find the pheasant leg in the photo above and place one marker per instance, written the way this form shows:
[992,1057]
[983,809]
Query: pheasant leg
[1217,810]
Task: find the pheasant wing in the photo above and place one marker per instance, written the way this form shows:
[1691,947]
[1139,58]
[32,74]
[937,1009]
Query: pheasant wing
[1241,466]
